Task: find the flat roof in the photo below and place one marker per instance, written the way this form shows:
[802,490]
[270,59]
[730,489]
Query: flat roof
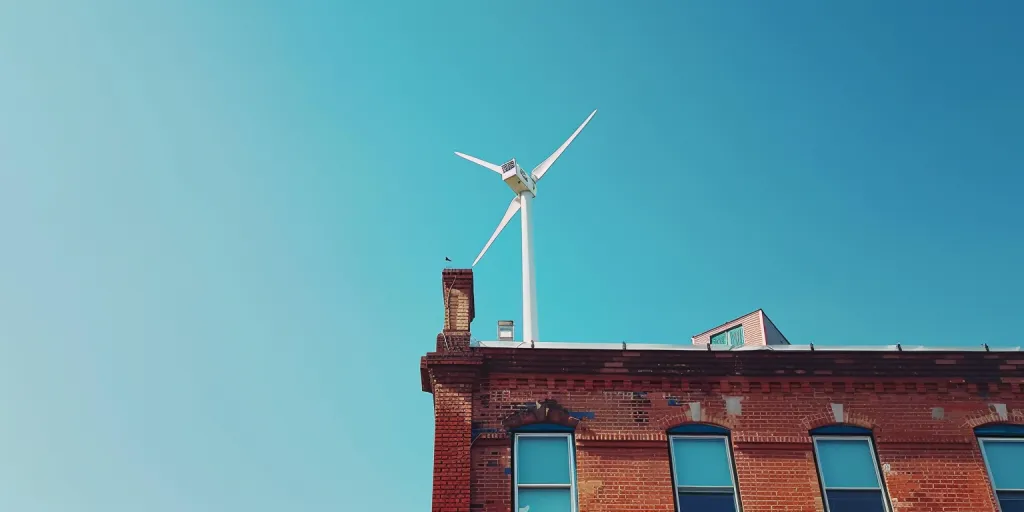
[724,348]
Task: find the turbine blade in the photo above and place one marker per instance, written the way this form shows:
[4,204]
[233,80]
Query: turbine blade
[475,160]
[538,172]
[513,207]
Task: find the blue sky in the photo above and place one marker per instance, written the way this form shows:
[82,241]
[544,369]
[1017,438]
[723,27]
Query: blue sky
[223,228]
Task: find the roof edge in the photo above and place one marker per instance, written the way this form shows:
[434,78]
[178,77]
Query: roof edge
[625,345]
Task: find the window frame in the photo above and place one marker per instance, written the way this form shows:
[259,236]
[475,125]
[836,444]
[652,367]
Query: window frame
[728,337]
[699,433]
[865,437]
[988,468]
[570,441]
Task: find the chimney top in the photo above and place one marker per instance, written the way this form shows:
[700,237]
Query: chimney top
[459,306]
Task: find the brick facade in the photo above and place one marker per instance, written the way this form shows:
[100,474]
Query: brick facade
[933,460]
[920,406]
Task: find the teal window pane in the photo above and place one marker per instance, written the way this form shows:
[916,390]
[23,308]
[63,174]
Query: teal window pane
[1006,461]
[847,463]
[543,460]
[720,339]
[736,337]
[544,500]
[701,462]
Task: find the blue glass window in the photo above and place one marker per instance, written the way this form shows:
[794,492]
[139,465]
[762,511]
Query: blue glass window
[545,475]
[1002,457]
[849,474]
[703,475]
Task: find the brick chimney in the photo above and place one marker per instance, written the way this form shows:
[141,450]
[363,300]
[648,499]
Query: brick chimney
[459,309]
[451,374]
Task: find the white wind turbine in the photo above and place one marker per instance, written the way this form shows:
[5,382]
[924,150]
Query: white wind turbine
[525,187]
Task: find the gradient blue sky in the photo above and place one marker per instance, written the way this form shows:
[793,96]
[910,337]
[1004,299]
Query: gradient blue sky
[223,227]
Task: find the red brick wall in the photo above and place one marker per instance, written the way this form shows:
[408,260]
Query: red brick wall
[637,476]
[777,477]
[930,458]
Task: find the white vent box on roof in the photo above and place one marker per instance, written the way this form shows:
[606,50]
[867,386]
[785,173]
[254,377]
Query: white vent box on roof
[506,330]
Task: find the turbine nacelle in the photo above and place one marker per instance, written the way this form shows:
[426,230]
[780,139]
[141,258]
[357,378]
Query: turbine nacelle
[517,179]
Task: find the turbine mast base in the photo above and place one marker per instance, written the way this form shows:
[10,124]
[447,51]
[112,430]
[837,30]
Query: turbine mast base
[530,331]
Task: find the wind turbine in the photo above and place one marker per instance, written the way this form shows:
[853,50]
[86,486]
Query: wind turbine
[525,187]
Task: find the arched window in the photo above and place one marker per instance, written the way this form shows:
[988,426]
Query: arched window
[702,468]
[544,427]
[1000,430]
[1002,446]
[848,469]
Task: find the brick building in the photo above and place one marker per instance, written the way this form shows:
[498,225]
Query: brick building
[737,419]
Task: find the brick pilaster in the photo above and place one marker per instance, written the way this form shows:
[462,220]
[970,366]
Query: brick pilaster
[453,380]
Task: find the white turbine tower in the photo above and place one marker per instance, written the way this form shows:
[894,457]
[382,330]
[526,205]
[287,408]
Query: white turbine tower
[525,187]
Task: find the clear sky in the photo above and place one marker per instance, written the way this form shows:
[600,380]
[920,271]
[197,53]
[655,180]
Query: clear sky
[223,226]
